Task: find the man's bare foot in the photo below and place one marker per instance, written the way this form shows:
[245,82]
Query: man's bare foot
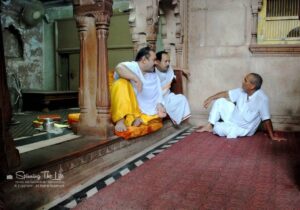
[120,126]
[137,122]
[161,111]
[161,114]
[206,128]
[277,137]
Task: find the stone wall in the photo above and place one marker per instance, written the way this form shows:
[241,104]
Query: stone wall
[219,36]
[30,49]
[23,46]
[210,38]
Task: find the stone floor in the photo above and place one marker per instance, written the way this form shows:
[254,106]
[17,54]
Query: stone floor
[22,126]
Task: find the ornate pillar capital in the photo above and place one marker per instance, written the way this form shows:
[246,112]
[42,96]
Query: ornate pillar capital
[102,19]
[82,22]
[88,7]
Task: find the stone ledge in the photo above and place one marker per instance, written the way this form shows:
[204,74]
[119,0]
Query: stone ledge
[80,168]
[275,49]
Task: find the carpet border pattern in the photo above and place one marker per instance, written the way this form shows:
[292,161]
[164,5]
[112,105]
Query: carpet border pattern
[92,189]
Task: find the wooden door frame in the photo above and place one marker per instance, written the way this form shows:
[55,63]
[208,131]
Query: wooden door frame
[59,52]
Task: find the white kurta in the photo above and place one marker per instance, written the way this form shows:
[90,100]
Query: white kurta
[151,93]
[176,105]
[241,119]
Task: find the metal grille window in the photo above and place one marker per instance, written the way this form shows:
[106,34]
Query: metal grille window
[281,8]
[279,22]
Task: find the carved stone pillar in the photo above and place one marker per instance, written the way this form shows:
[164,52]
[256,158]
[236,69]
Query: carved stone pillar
[182,34]
[82,25]
[93,19]
[174,23]
[143,21]
[102,95]
[256,6]
[152,21]
[179,57]
[172,33]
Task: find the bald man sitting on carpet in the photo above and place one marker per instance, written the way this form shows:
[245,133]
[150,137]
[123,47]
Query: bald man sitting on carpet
[241,111]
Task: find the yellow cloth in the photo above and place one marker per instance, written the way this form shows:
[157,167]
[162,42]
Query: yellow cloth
[124,104]
[73,118]
[142,130]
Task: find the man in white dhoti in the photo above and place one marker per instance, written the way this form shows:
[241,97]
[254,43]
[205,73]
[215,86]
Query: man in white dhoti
[136,96]
[242,113]
[177,106]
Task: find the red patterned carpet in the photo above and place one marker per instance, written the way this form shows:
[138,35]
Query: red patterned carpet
[204,171]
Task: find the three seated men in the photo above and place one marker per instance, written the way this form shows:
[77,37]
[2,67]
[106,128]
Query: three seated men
[141,93]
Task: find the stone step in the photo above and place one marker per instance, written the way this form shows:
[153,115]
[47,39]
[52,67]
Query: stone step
[92,162]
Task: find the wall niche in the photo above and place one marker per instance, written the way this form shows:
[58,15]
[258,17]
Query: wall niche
[13,43]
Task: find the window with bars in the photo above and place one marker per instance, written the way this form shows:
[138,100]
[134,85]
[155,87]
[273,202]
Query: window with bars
[279,22]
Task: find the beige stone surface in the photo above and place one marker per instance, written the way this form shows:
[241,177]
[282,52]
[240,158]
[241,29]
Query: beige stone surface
[219,35]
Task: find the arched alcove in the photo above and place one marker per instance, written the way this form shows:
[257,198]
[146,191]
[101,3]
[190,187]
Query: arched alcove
[13,43]
[294,33]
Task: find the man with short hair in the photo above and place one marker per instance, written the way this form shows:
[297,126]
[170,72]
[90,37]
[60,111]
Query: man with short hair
[177,106]
[136,96]
[242,113]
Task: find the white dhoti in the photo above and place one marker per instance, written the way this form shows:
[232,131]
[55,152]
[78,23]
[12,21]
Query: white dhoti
[222,110]
[151,94]
[177,107]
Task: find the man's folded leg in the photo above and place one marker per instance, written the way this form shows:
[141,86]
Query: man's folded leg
[123,102]
[124,106]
